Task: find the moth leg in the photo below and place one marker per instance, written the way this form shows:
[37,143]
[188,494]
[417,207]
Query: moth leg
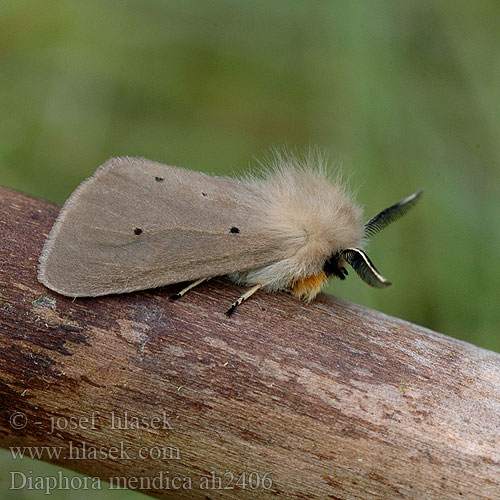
[244,297]
[185,290]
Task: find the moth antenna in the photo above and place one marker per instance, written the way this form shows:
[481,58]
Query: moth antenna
[391,214]
[364,267]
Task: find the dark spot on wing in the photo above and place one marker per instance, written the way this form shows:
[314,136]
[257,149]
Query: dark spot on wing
[159,179]
[137,230]
[234,229]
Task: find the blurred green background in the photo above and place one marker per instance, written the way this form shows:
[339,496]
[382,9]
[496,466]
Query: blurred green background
[403,94]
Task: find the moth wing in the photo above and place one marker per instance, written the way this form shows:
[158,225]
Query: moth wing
[138,224]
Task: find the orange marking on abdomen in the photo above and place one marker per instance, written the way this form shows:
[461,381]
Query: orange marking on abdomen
[308,288]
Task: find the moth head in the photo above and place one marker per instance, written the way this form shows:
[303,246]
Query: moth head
[356,258]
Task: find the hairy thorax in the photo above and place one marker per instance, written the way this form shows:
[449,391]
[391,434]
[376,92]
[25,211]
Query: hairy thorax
[310,218]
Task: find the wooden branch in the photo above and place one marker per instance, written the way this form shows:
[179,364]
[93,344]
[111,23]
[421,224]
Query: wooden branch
[282,400]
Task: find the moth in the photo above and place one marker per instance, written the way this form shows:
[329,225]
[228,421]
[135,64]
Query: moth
[138,224]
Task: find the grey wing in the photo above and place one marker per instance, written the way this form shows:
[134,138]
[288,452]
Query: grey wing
[138,224]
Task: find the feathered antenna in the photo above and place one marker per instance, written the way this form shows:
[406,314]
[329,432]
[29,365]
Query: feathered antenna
[364,267]
[391,214]
[358,259]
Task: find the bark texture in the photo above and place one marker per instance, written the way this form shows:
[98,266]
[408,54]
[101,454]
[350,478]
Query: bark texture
[329,400]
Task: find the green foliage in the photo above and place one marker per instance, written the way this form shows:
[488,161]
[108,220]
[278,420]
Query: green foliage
[404,94]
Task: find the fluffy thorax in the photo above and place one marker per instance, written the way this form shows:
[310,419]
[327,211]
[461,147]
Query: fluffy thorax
[310,216]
